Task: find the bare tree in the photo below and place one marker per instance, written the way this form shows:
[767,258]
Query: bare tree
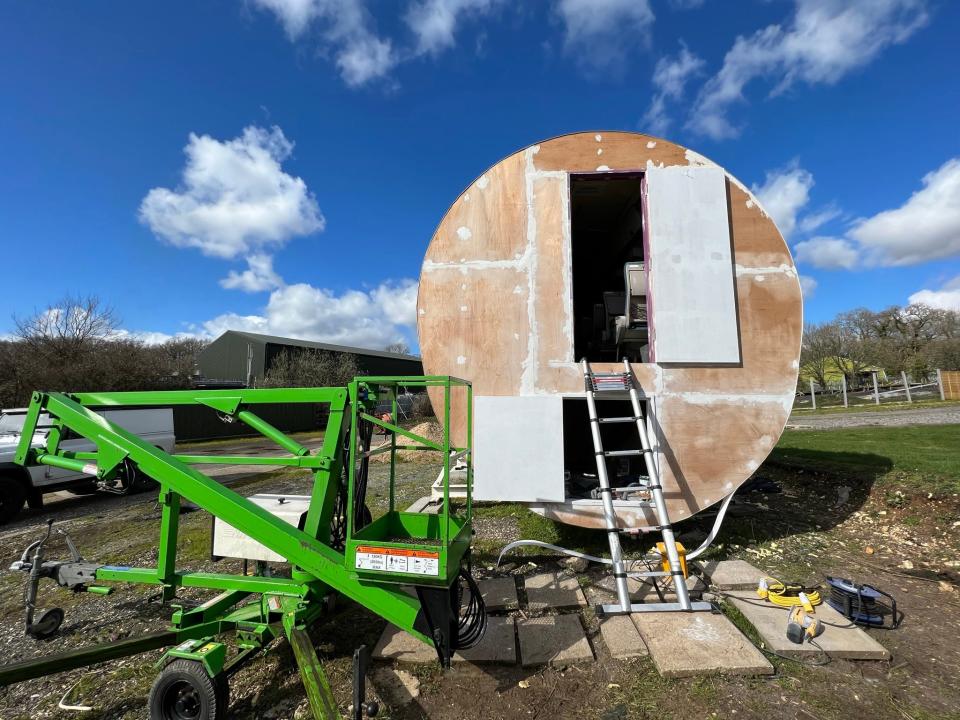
[311,368]
[398,347]
[819,351]
[69,324]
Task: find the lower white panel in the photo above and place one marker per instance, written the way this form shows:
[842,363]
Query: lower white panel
[518,448]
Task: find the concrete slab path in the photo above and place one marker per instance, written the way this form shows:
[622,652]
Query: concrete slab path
[700,643]
[553,640]
[839,638]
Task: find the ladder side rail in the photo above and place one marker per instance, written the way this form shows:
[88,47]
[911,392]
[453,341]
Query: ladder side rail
[613,532]
[659,504]
[297,547]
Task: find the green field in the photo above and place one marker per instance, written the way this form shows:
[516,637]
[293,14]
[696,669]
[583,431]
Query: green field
[927,456]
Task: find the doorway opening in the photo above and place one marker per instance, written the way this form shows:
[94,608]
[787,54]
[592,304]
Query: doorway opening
[579,459]
[609,273]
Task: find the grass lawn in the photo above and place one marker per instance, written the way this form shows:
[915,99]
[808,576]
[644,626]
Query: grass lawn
[927,455]
[834,407]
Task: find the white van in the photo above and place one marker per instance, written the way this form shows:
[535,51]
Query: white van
[19,484]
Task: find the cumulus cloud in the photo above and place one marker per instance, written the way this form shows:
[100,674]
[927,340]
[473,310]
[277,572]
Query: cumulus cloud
[925,227]
[345,28]
[258,276]
[234,198]
[371,319]
[827,253]
[783,194]
[824,41]
[434,22]
[599,32]
[946,298]
[670,76]
[807,286]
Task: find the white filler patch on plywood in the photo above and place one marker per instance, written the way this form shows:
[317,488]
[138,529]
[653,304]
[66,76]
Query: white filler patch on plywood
[691,266]
[518,448]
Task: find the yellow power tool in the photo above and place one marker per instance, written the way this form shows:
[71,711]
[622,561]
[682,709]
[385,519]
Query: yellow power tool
[802,625]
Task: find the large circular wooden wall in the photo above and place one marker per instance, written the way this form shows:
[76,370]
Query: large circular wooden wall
[494,307]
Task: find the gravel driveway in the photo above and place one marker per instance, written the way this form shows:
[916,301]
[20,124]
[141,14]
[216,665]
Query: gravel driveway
[942,415]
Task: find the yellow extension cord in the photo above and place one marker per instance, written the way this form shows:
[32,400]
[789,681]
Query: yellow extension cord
[775,592]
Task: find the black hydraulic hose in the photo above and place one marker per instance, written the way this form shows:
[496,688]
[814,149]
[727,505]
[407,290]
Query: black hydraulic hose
[473,618]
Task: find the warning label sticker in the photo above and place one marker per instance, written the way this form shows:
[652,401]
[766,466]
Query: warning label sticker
[398,560]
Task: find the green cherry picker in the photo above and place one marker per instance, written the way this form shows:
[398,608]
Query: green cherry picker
[412,569]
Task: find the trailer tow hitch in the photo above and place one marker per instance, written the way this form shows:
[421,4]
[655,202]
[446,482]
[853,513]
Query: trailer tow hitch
[74,574]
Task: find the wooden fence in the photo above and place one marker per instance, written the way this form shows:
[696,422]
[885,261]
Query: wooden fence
[950,384]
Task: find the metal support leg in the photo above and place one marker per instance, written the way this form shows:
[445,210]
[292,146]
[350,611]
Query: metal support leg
[319,694]
[167,552]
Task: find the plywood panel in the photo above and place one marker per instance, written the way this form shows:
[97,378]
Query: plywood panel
[518,448]
[494,309]
[692,300]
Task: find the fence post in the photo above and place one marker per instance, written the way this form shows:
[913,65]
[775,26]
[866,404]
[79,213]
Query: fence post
[843,379]
[940,384]
[813,395]
[876,392]
[906,385]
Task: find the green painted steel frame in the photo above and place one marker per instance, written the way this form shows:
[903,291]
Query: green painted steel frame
[452,532]
[285,605]
[317,564]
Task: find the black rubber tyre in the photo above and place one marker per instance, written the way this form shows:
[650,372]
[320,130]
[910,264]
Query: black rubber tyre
[12,497]
[184,691]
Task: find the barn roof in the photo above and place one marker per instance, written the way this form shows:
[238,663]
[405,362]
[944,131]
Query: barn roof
[296,342]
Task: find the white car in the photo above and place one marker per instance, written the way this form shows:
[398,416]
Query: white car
[19,484]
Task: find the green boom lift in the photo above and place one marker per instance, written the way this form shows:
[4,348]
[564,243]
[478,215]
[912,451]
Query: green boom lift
[335,549]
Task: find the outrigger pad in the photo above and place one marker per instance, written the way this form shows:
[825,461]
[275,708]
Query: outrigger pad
[47,625]
[439,618]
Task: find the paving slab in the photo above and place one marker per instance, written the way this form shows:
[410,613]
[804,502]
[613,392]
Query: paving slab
[553,640]
[547,591]
[621,637]
[499,594]
[699,643]
[498,646]
[732,574]
[395,644]
[851,643]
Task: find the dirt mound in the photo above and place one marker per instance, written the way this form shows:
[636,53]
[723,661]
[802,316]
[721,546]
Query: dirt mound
[430,430]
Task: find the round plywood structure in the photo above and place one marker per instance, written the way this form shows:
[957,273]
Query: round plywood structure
[496,307]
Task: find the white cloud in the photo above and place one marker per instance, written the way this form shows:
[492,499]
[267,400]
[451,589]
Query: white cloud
[345,28]
[946,298]
[813,221]
[599,32]
[783,194]
[670,76]
[235,199]
[926,227]
[807,286]
[827,253]
[258,276]
[434,22]
[371,319]
[824,41]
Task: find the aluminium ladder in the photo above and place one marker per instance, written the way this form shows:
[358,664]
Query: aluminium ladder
[619,383]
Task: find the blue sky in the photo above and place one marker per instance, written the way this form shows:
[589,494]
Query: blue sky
[280,165]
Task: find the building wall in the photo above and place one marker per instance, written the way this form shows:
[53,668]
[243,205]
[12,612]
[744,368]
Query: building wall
[495,307]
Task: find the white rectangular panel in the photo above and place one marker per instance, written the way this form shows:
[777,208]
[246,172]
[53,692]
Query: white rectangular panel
[230,542]
[518,448]
[693,304]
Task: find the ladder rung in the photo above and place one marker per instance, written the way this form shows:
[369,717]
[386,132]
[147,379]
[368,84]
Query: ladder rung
[620,453]
[619,419]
